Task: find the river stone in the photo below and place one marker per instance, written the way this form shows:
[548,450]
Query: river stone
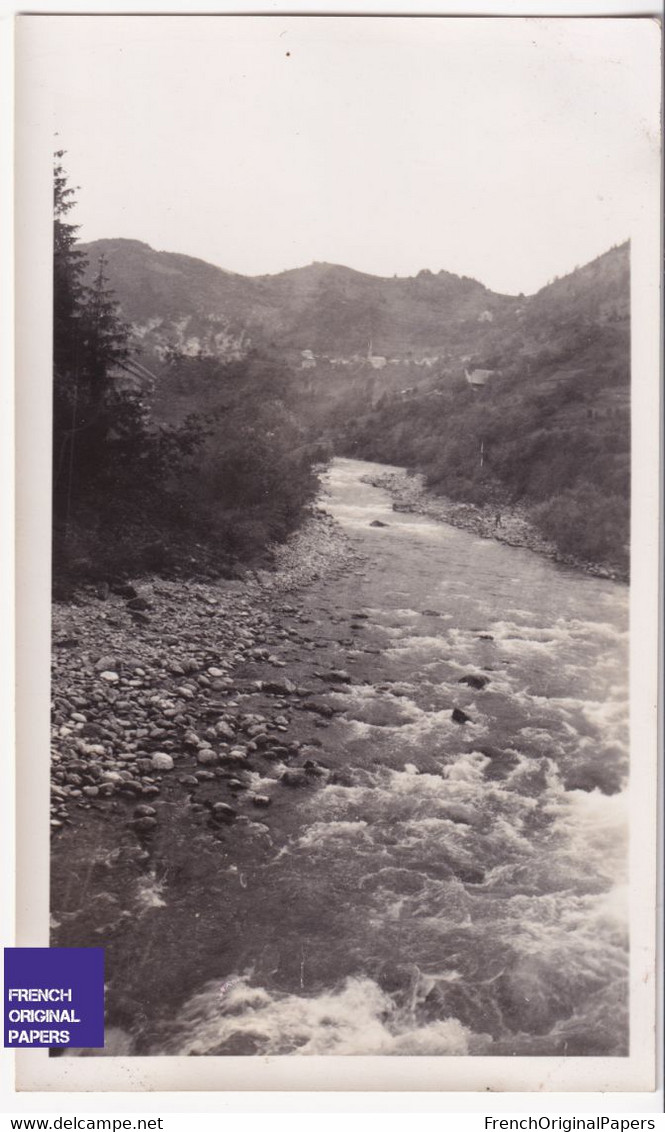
[342,777]
[206,757]
[278,687]
[143,811]
[96,750]
[314,769]
[320,709]
[474,681]
[161,761]
[92,731]
[138,604]
[110,677]
[460,716]
[378,523]
[263,739]
[295,778]
[130,787]
[223,812]
[259,799]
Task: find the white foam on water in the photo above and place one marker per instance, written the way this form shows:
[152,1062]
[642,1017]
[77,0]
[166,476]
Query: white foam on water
[260,783]
[321,834]
[407,614]
[150,893]
[416,644]
[357,1018]
[425,729]
[561,630]
[538,941]
[608,717]
[595,829]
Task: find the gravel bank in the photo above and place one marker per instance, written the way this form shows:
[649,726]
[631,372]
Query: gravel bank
[144,677]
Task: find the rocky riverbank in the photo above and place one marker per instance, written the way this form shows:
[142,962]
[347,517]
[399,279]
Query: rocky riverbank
[144,676]
[508,524]
[178,741]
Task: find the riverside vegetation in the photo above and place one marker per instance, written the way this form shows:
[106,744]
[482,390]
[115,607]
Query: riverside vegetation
[133,493]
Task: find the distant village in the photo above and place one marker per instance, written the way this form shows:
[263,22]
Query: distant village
[377,361]
[168,338]
[477,378]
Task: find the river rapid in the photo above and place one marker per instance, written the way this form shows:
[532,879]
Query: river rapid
[453,887]
[424,776]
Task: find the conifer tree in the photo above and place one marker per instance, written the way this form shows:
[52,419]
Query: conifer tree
[69,264]
[90,342]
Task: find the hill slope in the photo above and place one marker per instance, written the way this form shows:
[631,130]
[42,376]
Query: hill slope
[551,426]
[173,299]
[378,367]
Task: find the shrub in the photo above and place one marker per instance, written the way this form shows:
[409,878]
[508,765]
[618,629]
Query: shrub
[588,523]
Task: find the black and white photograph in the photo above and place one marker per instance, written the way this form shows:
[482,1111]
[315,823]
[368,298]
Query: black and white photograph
[350,541]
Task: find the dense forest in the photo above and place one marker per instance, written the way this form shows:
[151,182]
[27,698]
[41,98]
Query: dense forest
[133,492]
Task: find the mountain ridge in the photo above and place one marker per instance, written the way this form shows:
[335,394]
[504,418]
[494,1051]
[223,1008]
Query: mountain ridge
[178,302]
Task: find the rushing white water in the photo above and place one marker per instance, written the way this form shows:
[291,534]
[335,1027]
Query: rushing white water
[455,888]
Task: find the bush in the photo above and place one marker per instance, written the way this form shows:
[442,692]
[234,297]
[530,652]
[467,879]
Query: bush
[587,523]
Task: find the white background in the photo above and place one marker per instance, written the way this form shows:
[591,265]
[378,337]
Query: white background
[229,1102]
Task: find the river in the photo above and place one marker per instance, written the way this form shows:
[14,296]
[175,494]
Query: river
[446,887]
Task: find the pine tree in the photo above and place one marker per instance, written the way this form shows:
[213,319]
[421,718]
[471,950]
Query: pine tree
[90,342]
[69,264]
[105,349]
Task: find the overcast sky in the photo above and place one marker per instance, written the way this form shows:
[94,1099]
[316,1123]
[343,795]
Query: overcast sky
[507,150]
